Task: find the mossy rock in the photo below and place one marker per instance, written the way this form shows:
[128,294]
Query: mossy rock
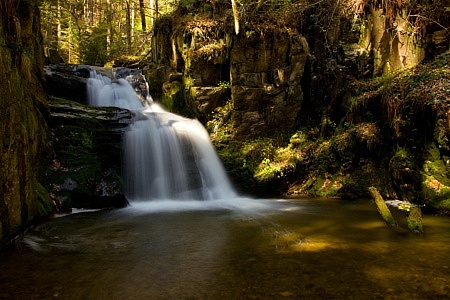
[173,96]
[436,180]
[85,170]
[404,174]
[414,219]
[444,205]
[44,201]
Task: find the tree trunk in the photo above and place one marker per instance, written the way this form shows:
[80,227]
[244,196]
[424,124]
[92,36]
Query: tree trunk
[235,16]
[142,11]
[153,11]
[58,25]
[128,26]
[133,19]
[109,27]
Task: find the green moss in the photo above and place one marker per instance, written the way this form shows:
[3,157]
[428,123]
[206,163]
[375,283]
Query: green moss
[23,138]
[78,160]
[436,181]
[435,166]
[414,219]
[172,97]
[444,204]
[45,204]
[382,207]
[266,171]
[326,186]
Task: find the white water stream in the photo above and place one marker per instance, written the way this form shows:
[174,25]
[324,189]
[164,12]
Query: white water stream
[166,156]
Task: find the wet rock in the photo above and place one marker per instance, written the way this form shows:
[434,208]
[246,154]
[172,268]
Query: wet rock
[23,135]
[69,81]
[86,169]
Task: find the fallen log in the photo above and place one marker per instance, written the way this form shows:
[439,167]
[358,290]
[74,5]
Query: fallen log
[382,207]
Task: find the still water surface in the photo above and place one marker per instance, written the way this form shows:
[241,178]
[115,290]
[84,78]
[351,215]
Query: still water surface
[240,249]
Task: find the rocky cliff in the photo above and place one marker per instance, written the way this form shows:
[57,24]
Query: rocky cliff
[289,61]
[286,99]
[23,131]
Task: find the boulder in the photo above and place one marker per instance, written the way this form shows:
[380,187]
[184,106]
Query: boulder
[86,168]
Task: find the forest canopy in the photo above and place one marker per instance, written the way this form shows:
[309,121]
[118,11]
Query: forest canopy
[96,31]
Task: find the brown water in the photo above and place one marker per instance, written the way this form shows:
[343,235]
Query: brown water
[285,249]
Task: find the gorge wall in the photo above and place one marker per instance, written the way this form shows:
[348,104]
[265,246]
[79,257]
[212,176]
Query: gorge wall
[23,130]
[286,63]
[289,102]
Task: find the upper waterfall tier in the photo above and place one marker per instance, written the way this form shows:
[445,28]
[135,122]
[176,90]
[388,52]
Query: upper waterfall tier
[166,156]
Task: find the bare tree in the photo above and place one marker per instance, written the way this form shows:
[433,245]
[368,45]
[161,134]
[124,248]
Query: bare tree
[142,12]
[153,10]
[128,28]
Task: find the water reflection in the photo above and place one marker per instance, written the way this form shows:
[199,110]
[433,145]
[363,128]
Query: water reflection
[290,249]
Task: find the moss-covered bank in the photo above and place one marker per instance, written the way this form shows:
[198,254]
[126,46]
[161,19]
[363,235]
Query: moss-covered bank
[394,135]
[23,132]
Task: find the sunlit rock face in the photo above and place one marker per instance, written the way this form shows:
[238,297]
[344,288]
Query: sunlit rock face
[266,74]
[259,75]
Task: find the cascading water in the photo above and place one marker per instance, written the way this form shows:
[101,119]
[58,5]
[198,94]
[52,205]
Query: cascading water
[166,156]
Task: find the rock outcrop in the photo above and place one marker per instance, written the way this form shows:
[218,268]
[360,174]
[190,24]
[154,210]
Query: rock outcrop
[86,167]
[69,81]
[266,74]
[276,71]
[23,107]
[205,66]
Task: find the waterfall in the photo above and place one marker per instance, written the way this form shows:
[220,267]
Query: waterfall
[166,156]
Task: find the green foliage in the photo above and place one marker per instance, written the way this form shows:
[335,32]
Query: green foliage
[94,32]
[414,219]
[405,207]
[44,202]
[224,84]
[93,46]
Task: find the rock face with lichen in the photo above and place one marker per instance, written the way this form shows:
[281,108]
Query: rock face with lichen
[23,107]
